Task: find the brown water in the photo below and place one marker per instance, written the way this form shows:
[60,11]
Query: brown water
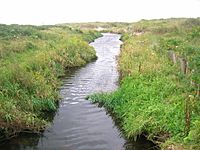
[79,124]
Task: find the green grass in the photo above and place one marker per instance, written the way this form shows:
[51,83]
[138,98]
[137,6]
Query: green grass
[152,95]
[32,58]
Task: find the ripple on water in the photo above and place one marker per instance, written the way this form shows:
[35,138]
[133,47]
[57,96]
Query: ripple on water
[78,124]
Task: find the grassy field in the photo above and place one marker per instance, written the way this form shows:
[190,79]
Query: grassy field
[155,98]
[32,58]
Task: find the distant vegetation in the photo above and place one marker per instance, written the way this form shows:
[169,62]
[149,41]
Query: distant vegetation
[117,27]
[32,58]
[155,97]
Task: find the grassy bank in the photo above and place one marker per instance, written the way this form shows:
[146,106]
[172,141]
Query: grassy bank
[32,58]
[155,98]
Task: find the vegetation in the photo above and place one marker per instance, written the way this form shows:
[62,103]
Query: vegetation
[32,58]
[155,98]
[116,27]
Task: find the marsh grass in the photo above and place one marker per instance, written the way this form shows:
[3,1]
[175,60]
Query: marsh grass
[152,93]
[31,61]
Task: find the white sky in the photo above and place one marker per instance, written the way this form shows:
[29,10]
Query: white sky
[63,11]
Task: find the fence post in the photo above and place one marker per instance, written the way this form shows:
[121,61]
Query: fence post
[140,67]
[183,64]
[172,56]
[198,90]
[187,68]
[187,113]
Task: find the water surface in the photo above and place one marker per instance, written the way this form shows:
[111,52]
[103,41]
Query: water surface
[79,124]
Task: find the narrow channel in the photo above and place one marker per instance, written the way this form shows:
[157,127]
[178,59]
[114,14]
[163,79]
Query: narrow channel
[79,124]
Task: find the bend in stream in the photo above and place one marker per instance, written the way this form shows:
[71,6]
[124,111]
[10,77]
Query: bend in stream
[79,124]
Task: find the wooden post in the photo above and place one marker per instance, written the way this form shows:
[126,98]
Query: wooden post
[187,68]
[140,67]
[183,64]
[198,90]
[187,114]
[172,56]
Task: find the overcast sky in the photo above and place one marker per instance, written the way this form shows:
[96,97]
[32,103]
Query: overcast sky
[62,11]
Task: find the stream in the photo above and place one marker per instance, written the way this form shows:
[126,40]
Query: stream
[78,124]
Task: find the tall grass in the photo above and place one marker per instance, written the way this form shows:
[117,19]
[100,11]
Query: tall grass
[31,61]
[152,96]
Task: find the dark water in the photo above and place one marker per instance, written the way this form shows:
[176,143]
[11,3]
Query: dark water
[78,124]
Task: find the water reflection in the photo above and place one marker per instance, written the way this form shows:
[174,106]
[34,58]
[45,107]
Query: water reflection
[78,124]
